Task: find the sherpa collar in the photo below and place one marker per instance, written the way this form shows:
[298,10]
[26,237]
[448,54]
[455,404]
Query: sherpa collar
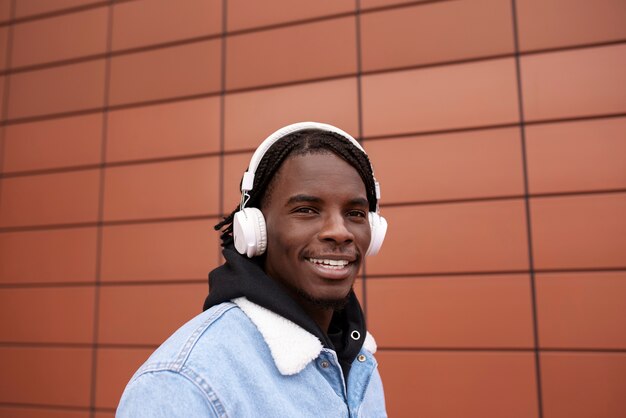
[292,347]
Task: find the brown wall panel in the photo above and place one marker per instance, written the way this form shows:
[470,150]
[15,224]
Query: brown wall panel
[48,256]
[557,23]
[579,231]
[439,112]
[43,375]
[115,368]
[148,22]
[234,167]
[358,288]
[449,166]
[265,111]
[57,90]
[34,412]
[455,96]
[159,251]
[166,73]
[69,197]
[53,143]
[68,36]
[276,58]
[173,129]
[367,4]
[475,237]
[449,385]
[48,315]
[475,311]
[574,83]
[581,385]
[576,156]
[5,9]
[243,14]
[415,35]
[3,82]
[35,7]
[158,190]
[582,310]
[4,38]
[147,314]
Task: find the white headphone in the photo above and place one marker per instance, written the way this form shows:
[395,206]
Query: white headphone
[249,230]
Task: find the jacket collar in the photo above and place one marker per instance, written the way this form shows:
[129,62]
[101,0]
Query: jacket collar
[292,347]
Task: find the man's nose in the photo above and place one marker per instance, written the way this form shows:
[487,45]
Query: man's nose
[335,229]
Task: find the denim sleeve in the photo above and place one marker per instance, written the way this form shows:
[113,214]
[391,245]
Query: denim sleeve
[167,394]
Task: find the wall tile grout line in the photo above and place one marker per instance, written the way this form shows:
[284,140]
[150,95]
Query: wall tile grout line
[59,12]
[100,227]
[569,350]
[531,262]
[45,406]
[262,87]
[114,164]
[461,349]
[40,344]
[385,276]
[366,138]
[53,407]
[223,43]
[177,99]
[247,31]
[66,11]
[140,221]
[359,104]
[70,10]
[5,95]
[416,134]
[431,274]
[108,283]
[214,37]
[94,57]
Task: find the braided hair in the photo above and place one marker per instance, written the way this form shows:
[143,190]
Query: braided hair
[309,141]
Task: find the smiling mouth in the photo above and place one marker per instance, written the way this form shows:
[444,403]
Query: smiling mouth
[333,269]
[328,263]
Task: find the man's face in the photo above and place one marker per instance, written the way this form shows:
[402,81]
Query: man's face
[317,227]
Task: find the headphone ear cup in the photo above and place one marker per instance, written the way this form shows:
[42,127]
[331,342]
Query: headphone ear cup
[261,232]
[249,232]
[378,224]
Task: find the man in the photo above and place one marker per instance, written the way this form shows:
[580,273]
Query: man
[282,333]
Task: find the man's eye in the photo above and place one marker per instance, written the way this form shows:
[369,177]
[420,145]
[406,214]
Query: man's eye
[357,213]
[305,210]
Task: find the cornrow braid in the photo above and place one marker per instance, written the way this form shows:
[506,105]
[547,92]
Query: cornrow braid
[303,142]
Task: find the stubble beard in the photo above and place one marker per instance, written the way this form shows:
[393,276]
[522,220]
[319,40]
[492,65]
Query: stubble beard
[334,304]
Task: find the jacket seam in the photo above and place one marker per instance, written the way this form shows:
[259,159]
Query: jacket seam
[193,339]
[203,386]
[206,389]
[185,351]
[367,385]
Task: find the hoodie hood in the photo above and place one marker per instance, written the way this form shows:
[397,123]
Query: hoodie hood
[240,277]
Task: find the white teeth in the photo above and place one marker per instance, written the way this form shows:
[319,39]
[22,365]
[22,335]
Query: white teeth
[327,262]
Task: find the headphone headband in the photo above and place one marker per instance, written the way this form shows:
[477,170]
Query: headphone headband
[248,177]
[249,228]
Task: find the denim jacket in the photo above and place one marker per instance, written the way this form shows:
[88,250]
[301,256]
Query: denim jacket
[241,360]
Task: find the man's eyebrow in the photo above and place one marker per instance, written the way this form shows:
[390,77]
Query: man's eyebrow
[359,201]
[303,198]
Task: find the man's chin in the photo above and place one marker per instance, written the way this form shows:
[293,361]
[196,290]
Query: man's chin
[325,303]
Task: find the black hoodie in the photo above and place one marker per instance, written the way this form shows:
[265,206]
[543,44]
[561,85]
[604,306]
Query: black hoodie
[241,276]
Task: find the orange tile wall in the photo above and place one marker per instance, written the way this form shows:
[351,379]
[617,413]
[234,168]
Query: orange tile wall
[497,129]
